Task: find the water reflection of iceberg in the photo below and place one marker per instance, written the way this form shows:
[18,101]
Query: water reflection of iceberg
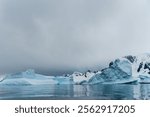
[120,91]
[63,91]
[103,91]
[142,91]
[80,90]
[107,91]
[111,91]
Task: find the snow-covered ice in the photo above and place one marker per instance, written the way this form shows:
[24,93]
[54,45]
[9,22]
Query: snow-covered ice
[81,78]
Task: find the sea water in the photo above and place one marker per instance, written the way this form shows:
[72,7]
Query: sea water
[76,92]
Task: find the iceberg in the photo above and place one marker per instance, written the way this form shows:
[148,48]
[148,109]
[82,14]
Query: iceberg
[128,69]
[81,78]
[119,71]
[141,68]
[29,77]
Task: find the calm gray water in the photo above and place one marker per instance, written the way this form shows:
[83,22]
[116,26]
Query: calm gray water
[69,92]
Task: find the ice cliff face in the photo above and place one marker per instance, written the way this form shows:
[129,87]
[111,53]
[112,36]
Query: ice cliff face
[125,70]
[120,69]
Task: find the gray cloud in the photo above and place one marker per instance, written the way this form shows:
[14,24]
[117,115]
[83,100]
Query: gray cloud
[64,35]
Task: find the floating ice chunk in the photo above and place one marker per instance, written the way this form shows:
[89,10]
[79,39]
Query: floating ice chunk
[120,69]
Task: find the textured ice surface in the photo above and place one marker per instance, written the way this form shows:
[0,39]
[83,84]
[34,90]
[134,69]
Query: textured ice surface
[120,69]
[125,70]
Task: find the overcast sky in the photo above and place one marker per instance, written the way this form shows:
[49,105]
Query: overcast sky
[65,35]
